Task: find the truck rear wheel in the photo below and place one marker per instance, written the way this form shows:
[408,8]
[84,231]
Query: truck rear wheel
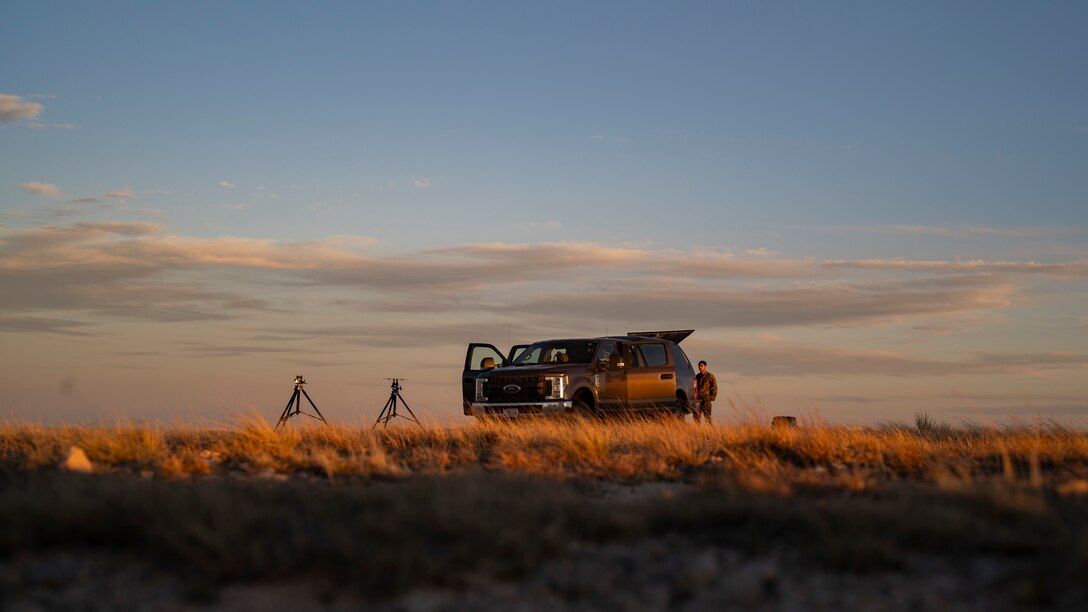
[683,406]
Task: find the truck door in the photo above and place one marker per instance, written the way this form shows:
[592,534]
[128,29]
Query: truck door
[475,361]
[610,376]
[651,379]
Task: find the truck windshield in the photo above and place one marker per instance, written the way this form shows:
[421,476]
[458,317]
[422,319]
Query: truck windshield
[557,351]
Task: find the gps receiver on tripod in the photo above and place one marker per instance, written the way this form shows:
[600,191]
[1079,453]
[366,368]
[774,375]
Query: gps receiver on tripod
[294,405]
[389,412]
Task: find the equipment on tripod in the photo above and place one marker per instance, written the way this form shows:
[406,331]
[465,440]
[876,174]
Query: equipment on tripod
[389,412]
[296,403]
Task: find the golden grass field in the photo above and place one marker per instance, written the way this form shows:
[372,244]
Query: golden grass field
[390,510]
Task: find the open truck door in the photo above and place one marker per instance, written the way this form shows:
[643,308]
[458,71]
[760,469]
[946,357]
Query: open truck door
[479,358]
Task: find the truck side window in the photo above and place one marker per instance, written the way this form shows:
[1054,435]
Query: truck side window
[633,356]
[654,354]
[609,356]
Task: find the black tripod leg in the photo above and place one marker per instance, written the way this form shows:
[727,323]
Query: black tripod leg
[385,414]
[287,410]
[409,409]
[314,406]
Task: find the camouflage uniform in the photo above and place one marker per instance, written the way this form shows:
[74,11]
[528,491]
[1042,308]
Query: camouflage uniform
[706,391]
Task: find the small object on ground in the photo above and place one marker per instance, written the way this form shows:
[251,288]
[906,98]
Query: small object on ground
[784,422]
[76,461]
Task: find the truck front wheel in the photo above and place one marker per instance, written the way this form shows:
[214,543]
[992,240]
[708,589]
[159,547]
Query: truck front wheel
[585,408]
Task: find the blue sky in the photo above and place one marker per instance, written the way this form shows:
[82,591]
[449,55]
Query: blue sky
[851,202]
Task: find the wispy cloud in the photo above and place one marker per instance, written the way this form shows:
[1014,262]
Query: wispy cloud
[123,195]
[140,271]
[853,304]
[48,190]
[801,360]
[968,231]
[1066,270]
[14,108]
[36,125]
[22,323]
[949,231]
[761,252]
[422,183]
[226,185]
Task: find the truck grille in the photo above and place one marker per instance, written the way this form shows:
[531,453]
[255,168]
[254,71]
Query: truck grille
[532,388]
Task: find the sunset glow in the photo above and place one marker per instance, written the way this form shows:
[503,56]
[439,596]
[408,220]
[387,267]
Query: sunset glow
[865,212]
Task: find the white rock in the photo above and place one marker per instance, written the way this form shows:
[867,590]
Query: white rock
[76,461]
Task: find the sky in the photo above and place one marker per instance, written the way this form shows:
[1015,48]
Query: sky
[866,210]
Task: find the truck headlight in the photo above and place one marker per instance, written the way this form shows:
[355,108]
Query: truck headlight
[555,386]
[480,385]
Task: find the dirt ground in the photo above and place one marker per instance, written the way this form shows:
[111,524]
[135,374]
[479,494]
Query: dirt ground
[656,574]
[666,572]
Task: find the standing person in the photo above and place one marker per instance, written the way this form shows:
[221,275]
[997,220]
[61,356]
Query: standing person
[706,391]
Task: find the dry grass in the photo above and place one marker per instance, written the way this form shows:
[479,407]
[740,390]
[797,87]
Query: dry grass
[1045,456]
[363,506]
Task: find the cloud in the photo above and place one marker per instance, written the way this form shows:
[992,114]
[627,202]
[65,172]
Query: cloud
[48,190]
[968,231]
[950,231]
[33,324]
[226,185]
[140,271]
[14,108]
[350,240]
[761,252]
[46,126]
[1059,270]
[422,183]
[121,228]
[404,333]
[92,268]
[852,304]
[124,194]
[800,360]
[240,206]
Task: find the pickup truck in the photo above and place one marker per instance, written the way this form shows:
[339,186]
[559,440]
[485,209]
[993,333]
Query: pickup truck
[639,373]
